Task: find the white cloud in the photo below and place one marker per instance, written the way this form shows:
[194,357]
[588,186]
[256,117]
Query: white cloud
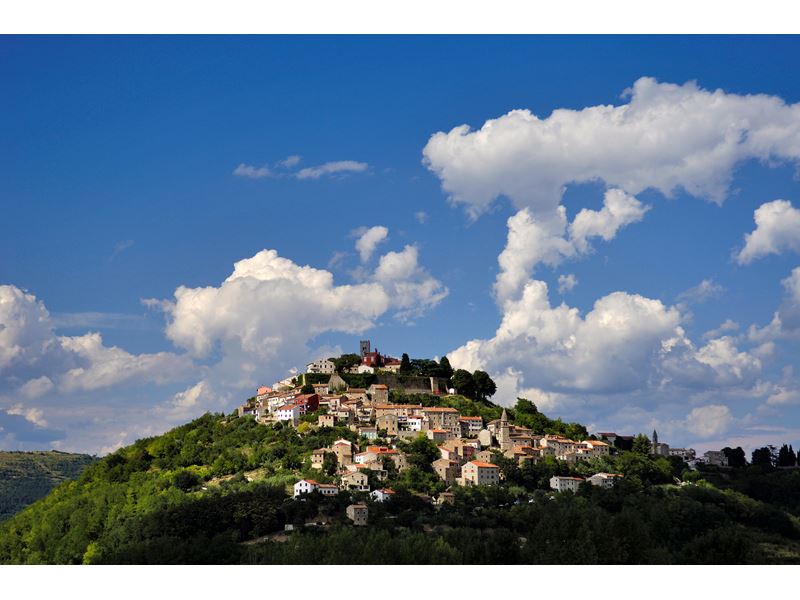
[32,415]
[530,241]
[332,168]
[705,290]
[368,240]
[421,216]
[727,326]
[543,239]
[708,421]
[785,322]
[412,289]
[290,161]
[35,388]
[777,231]
[252,172]
[666,137]
[626,343]
[101,366]
[31,352]
[619,209]
[612,349]
[269,307]
[566,283]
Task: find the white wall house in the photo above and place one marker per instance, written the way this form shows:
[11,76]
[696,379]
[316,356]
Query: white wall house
[304,486]
[604,480]
[323,365]
[477,472]
[565,484]
[382,495]
[288,413]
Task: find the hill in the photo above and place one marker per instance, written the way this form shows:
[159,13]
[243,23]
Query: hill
[217,490]
[25,477]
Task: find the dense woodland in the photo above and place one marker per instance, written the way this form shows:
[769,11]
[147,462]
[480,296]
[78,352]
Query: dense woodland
[25,477]
[217,490]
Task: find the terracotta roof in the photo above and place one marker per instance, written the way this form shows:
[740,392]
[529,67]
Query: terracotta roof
[380,386]
[439,409]
[482,464]
[311,481]
[471,419]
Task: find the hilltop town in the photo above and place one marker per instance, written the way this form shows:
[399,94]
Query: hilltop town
[389,402]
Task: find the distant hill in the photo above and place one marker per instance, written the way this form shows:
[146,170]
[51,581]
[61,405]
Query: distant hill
[25,477]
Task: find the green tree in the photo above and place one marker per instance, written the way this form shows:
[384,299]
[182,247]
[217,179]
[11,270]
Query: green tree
[345,361]
[405,365]
[736,457]
[786,457]
[446,369]
[484,386]
[762,456]
[464,383]
[642,445]
[307,389]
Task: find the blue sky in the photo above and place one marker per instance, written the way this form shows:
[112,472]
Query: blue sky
[117,185]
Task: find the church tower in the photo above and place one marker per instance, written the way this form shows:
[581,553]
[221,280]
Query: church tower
[504,437]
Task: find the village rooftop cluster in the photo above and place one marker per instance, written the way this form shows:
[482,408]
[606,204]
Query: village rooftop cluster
[467,445]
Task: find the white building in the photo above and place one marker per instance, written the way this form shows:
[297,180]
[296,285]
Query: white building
[470,426]
[306,486]
[323,365]
[288,412]
[603,480]
[382,495]
[565,484]
[477,472]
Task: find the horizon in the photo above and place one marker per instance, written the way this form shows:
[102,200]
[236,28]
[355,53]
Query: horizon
[607,225]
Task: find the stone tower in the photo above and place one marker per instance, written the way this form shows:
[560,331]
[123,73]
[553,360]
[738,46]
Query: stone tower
[364,347]
[504,435]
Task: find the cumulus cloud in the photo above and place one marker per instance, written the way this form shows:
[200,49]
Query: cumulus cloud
[785,322]
[548,239]
[727,326]
[35,363]
[611,349]
[626,343]
[708,421]
[619,209]
[332,168]
[530,241]
[252,172]
[566,283]
[665,137]
[421,216]
[412,289]
[777,231]
[270,307]
[368,240]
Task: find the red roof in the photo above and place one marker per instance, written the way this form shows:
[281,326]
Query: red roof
[482,464]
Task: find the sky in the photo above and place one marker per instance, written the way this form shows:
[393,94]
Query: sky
[609,225]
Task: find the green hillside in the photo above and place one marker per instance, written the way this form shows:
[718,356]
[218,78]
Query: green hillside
[217,490]
[25,477]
